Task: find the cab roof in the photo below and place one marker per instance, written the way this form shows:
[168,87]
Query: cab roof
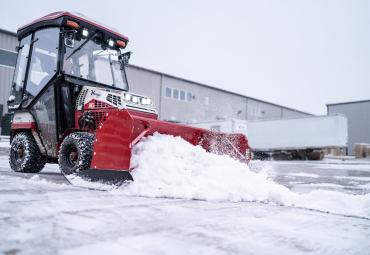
[60,18]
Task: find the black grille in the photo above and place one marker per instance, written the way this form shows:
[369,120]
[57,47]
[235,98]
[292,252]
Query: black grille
[116,100]
[99,105]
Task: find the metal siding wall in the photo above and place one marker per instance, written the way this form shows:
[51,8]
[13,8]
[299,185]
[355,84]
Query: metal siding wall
[261,110]
[8,42]
[358,115]
[145,83]
[220,104]
[6,76]
[287,113]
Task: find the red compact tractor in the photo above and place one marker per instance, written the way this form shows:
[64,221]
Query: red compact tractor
[72,106]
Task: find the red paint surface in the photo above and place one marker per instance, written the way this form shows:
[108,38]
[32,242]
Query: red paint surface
[24,125]
[56,15]
[112,148]
[143,114]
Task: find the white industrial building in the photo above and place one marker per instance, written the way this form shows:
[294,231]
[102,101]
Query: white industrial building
[358,115]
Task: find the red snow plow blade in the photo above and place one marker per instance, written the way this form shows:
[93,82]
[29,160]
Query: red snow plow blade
[120,130]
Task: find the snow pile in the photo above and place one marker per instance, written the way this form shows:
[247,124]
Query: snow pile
[167,166]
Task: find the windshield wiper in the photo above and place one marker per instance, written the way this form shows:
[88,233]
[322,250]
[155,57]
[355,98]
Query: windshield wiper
[82,45]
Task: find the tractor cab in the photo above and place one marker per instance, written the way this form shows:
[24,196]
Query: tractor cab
[59,55]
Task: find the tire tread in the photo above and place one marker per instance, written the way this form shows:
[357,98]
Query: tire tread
[34,161]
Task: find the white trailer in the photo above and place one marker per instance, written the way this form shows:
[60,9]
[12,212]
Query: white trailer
[295,138]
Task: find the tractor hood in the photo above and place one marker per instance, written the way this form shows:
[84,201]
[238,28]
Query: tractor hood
[95,97]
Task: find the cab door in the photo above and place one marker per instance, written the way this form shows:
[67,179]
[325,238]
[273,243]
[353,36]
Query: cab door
[39,92]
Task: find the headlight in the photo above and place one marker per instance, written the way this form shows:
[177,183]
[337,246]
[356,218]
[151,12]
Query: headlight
[146,101]
[135,99]
[127,97]
[110,43]
[85,32]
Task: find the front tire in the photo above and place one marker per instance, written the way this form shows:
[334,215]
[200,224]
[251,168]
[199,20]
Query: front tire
[76,152]
[25,155]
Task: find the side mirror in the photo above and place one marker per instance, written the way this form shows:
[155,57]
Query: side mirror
[125,57]
[69,39]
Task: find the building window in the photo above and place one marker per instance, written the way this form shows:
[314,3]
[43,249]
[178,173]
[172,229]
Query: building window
[182,95]
[189,97]
[168,92]
[175,94]
[178,94]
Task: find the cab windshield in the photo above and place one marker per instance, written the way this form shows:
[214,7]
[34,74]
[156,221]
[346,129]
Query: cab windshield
[89,59]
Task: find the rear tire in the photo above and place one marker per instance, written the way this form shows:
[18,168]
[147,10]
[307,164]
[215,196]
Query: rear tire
[316,155]
[76,152]
[25,155]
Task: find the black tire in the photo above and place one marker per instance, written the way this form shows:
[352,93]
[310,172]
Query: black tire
[25,155]
[76,152]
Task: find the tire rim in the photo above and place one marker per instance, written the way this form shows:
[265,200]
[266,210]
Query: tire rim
[18,153]
[72,157]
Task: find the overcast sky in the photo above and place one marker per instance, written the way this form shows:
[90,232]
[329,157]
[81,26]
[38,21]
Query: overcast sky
[298,53]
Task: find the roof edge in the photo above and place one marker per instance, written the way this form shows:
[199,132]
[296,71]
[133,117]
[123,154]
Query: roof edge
[349,102]
[7,32]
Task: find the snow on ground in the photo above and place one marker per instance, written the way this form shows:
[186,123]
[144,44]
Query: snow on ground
[304,175]
[187,201]
[167,166]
